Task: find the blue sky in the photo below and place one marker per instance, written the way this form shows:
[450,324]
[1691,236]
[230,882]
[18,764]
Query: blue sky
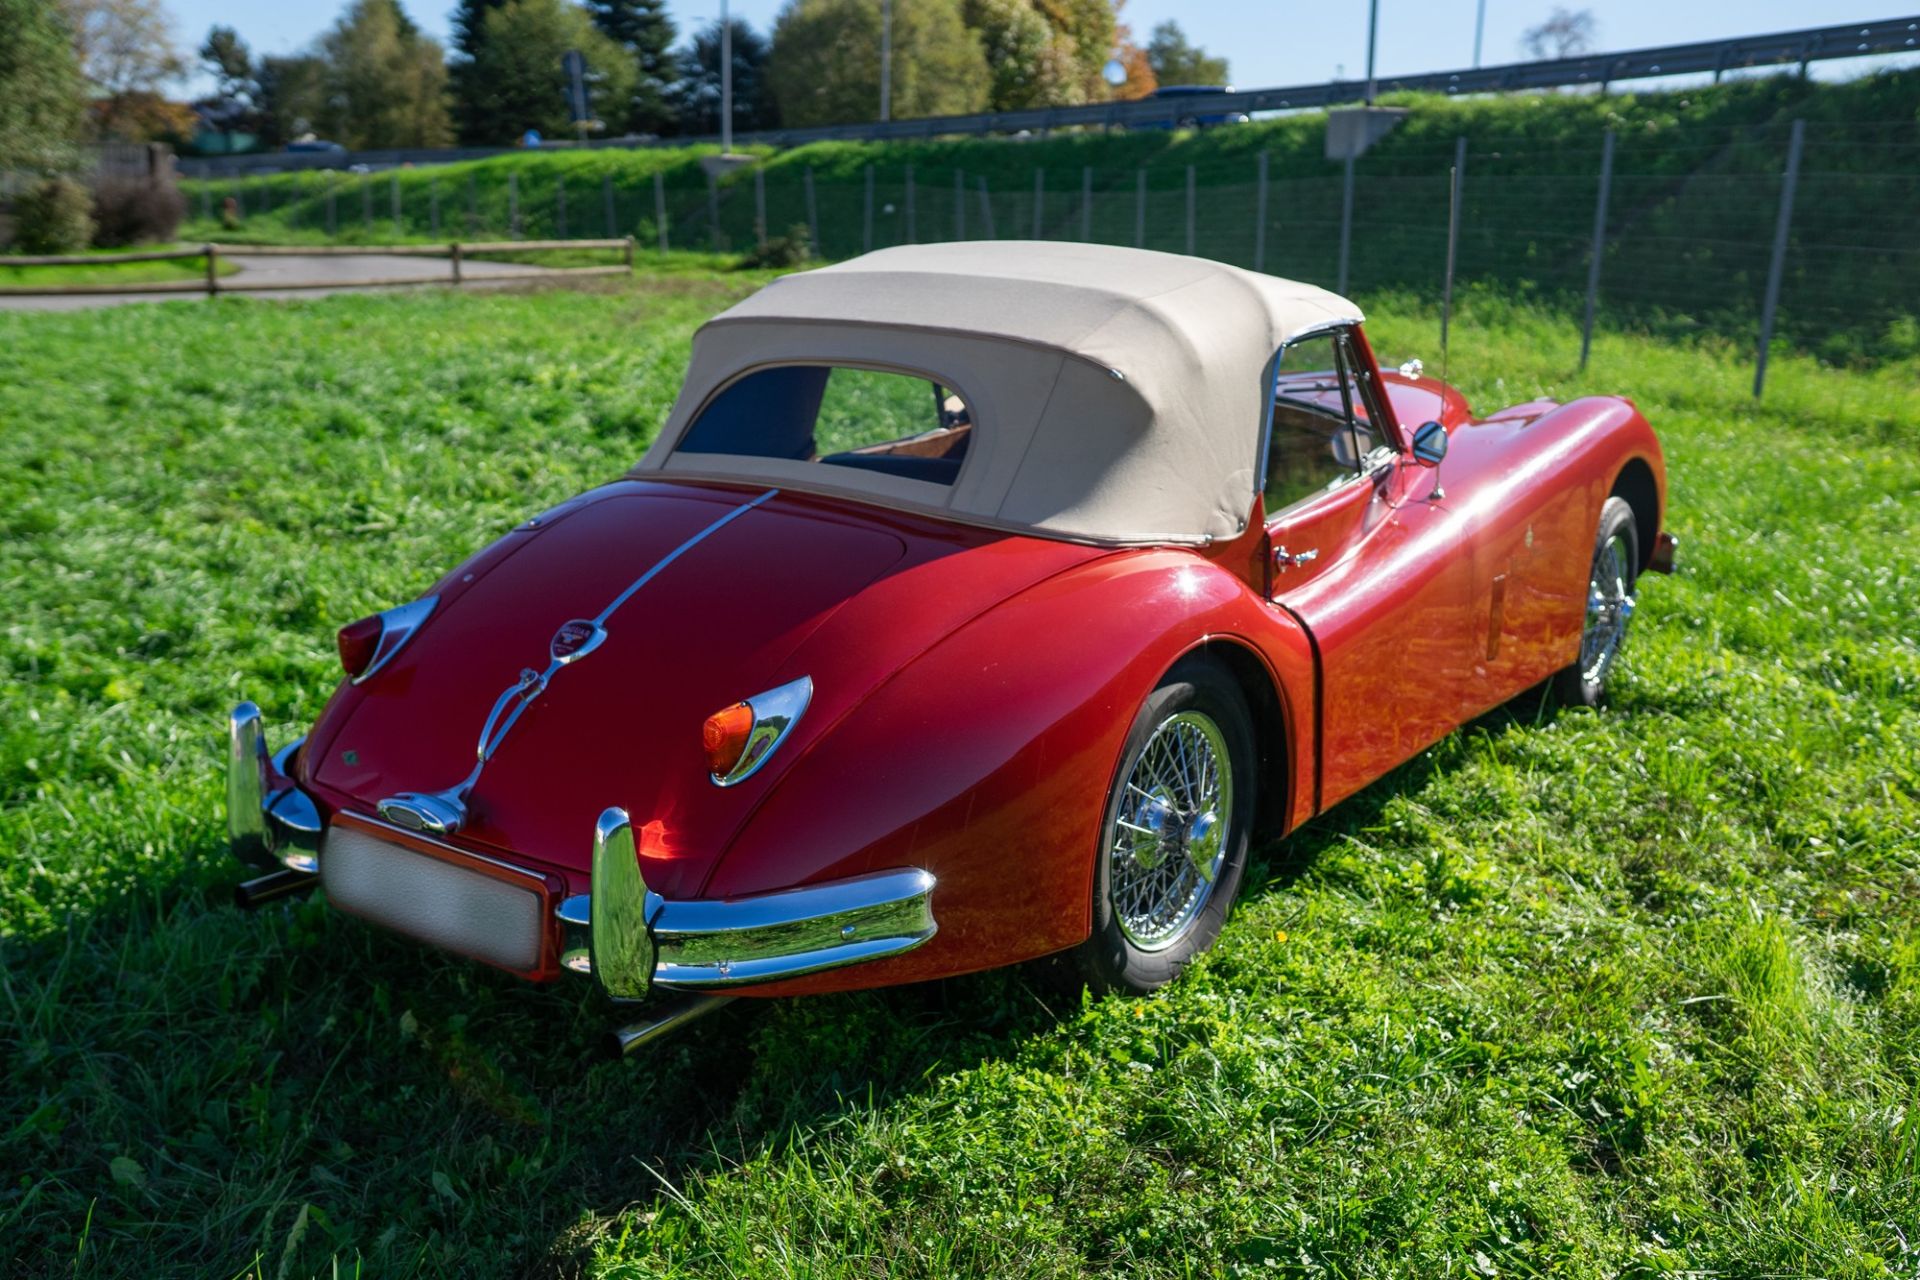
[1268,42]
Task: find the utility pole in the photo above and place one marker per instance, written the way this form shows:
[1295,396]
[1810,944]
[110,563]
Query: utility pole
[726,82]
[1479,32]
[1373,33]
[886,60]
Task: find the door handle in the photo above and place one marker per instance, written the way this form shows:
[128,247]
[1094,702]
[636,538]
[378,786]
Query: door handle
[1283,561]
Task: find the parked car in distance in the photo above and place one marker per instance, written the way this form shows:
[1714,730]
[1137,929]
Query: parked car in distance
[1190,107]
[976,602]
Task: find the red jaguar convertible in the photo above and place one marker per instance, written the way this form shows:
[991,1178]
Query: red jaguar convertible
[976,602]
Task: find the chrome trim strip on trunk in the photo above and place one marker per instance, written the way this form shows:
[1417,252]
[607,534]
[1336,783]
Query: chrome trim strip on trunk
[445,812]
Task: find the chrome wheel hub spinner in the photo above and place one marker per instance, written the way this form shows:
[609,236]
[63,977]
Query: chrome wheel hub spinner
[1609,610]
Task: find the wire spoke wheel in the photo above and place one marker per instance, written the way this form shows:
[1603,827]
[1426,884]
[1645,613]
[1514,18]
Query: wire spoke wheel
[1609,609]
[1171,833]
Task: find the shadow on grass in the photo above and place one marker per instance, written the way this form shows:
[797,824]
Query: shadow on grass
[293,1086]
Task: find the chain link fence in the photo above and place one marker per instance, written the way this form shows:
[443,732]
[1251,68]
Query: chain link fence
[1686,237]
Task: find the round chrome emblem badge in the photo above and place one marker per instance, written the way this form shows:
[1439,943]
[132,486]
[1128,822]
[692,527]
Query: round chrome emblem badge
[575,639]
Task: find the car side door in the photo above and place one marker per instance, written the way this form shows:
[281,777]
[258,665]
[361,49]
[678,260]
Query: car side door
[1370,560]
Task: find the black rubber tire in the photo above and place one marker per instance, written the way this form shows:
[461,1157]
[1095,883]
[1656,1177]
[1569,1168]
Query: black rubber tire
[1109,960]
[1570,686]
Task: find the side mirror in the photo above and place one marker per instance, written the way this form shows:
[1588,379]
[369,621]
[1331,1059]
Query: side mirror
[1430,444]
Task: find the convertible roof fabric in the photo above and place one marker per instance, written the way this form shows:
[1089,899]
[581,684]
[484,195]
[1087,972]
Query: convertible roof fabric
[1117,395]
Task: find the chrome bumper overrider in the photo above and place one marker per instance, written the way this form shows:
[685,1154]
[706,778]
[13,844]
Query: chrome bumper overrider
[631,938]
[628,937]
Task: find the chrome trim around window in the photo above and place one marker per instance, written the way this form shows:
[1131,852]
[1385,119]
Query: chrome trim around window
[397,626]
[630,939]
[775,712]
[271,823]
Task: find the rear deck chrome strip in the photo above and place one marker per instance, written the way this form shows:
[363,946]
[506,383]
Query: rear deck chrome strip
[445,812]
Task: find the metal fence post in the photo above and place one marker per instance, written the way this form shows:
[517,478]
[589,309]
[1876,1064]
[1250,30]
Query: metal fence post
[1086,203]
[813,211]
[913,212]
[513,204]
[1599,245]
[1260,216]
[366,202]
[1782,225]
[713,212]
[1346,228]
[206,201]
[560,207]
[393,188]
[333,193]
[1039,201]
[866,216]
[660,208]
[1191,238]
[986,209]
[1140,209]
[959,204]
[433,205]
[760,206]
[1454,181]
[473,203]
[608,218]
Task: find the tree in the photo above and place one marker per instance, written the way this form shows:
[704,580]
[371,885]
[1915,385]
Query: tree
[384,82]
[514,82]
[123,45]
[644,30]
[41,92]
[1175,60]
[1045,53]
[1565,34]
[696,94]
[825,63]
[469,23]
[234,105]
[293,94]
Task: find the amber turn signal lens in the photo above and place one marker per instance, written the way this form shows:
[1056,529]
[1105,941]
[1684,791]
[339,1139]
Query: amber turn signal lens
[359,641]
[725,737]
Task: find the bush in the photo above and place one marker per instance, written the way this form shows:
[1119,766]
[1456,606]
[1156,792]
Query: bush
[790,250]
[130,210]
[52,217]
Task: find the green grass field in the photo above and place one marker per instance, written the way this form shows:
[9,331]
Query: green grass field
[1620,994]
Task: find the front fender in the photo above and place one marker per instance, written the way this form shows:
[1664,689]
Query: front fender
[987,761]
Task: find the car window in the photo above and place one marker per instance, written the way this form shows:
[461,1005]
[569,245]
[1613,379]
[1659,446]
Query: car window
[1320,436]
[837,415]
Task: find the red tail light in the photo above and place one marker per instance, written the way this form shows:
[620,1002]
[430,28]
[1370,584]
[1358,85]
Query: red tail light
[725,736]
[359,641]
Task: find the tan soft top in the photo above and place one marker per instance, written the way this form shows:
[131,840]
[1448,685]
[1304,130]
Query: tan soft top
[1117,395]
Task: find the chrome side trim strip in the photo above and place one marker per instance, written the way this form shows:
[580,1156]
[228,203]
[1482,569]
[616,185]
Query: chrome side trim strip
[445,812]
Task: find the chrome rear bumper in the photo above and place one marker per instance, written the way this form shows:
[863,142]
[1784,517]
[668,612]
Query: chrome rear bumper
[631,938]
[627,937]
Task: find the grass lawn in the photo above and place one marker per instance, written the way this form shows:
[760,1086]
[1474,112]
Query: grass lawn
[109,273]
[1616,994]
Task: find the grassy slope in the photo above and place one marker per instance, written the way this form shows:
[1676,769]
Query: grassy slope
[1620,993]
[1692,212]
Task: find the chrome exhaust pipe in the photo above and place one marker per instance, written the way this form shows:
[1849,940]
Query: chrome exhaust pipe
[275,884]
[621,1041]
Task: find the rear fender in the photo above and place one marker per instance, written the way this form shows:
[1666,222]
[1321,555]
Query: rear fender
[987,760]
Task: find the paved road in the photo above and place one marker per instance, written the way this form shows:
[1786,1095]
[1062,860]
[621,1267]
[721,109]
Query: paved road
[344,268]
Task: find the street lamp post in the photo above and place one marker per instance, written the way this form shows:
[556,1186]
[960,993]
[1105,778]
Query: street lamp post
[886,60]
[1373,32]
[726,82]
[1479,30]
